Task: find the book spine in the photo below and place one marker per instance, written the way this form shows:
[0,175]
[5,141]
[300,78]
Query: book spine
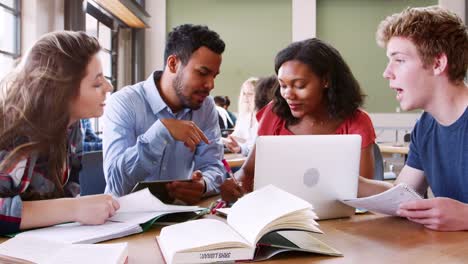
[230,254]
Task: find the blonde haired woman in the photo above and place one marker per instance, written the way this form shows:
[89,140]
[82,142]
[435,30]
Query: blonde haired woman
[245,131]
[59,82]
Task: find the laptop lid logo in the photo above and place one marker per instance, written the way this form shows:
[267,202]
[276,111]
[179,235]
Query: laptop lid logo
[311,177]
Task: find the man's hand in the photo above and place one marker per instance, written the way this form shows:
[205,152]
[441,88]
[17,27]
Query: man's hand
[185,131]
[442,214]
[188,192]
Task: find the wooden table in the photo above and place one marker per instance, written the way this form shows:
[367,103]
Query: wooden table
[235,160]
[367,238]
[394,149]
[362,239]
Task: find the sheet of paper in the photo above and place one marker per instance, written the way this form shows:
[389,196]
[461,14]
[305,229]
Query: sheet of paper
[91,253]
[135,217]
[144,201]
[44,251]
[386,202]
[31,249]
[77,233]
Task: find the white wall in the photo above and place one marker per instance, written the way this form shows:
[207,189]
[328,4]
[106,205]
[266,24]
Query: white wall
[39,17]
[457,6]
[391,127]
[303,19]
[155,36]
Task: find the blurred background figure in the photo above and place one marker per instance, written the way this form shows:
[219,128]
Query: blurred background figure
[265,90]
[91,141]
[231,114]
[225,121]
[245,131]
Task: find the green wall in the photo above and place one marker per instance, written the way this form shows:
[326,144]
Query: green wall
[253,30]
[350,27]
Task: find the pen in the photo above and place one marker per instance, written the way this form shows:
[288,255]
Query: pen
[218,205]
[229,171]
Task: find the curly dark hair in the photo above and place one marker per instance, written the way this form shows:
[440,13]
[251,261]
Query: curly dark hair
[343,95]
[220,100]
[185,39]
[264,90]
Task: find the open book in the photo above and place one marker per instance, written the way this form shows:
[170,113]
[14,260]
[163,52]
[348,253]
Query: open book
[138,211]
[386,202]
[43,251]
[250,223]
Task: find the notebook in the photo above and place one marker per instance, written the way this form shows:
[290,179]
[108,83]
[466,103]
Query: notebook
[260,225]
[138,211]
[321,169]
[44,251]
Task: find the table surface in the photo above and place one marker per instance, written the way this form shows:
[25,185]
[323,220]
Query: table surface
[235,160]
[367,238]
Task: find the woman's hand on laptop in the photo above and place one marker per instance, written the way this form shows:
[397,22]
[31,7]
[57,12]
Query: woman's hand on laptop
[190,192]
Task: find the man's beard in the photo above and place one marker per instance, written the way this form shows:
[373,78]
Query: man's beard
[184,99]
[178,86]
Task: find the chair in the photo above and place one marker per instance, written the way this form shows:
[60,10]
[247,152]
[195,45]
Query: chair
[378,163]
[407,138]
[92,179]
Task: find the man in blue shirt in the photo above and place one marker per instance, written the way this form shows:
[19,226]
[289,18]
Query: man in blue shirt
[166,128]
[428,60]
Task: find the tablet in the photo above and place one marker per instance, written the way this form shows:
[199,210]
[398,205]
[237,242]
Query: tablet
[158,189]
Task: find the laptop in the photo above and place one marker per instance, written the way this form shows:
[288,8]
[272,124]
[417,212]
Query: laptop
[321,169]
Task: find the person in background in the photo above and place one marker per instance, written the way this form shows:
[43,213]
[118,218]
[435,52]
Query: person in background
[265,91]
[166,128]
[245,131]
[59,82]
[318,95]
[427,49]
[231,114]
[91,141]
[225,121]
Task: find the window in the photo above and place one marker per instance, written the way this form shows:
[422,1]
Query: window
[104,34]
[10,32]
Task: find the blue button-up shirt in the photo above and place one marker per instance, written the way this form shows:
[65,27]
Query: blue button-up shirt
[138,147]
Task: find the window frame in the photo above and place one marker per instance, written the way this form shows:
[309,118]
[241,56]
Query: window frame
[16,12]
[103,19]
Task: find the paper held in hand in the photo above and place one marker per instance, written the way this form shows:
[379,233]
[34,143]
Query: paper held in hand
[268,218]
[386,202]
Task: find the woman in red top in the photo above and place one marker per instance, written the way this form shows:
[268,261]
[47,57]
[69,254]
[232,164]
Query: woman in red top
[318,95]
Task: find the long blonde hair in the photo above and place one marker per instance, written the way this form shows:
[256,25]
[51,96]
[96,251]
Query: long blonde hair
[247,108]
[35,99]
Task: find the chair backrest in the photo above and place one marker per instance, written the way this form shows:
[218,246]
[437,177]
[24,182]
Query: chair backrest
[378,163]
[92,179]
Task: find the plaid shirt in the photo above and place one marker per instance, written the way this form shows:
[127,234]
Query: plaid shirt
[29,175]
